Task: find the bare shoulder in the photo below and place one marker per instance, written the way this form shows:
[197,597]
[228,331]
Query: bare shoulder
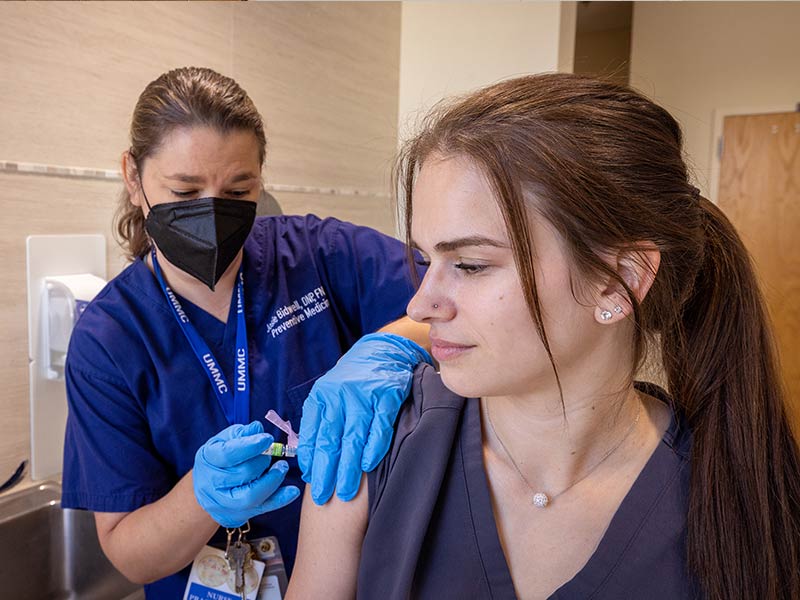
[329,547]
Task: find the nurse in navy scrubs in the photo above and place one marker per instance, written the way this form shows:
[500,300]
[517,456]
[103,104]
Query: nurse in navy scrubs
[220,318]
[563,237]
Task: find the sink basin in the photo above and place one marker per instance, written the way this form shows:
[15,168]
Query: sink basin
[47,552]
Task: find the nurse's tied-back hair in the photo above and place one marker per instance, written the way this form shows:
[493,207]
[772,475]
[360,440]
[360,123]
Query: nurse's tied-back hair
[184,97]
[603,164]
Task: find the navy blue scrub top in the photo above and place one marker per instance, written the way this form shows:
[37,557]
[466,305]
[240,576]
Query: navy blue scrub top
[140,404]
[432,532]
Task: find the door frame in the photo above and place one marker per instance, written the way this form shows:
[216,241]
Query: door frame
[719,115]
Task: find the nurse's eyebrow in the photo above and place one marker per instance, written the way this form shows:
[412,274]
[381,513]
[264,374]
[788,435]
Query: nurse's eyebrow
[243,177]
[185,178]
[472,240]
[197,179]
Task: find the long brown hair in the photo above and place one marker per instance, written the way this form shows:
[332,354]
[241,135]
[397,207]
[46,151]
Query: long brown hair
[605,165]
[184,97]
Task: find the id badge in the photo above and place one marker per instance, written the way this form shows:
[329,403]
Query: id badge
[274,581]
[212,578]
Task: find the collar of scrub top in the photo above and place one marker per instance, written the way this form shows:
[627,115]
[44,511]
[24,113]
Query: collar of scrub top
[235,404]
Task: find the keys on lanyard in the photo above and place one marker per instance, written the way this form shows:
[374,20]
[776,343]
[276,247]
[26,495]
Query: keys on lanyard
[239,554]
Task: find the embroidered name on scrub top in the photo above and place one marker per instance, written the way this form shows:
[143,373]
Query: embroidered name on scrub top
[235,404]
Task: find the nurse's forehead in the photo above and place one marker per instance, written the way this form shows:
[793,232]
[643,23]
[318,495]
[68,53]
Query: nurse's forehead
[197,147]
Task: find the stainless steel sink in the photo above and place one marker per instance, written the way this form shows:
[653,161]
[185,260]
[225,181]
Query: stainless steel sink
[47,552]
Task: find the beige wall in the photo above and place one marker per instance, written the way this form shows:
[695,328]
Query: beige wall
[451,48]
[696,57]
[324,76]
[605,52]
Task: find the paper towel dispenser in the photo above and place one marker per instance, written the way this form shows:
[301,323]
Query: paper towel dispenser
[64,298]
[64,273]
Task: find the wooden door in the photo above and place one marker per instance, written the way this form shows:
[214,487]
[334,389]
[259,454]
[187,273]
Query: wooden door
[759,190]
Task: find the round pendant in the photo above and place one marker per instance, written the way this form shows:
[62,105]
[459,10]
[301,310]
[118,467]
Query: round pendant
[540,500]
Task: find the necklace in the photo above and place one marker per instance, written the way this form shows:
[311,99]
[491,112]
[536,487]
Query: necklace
[541,499]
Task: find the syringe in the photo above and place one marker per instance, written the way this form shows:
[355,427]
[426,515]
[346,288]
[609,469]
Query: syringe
[278,449]
[282,450]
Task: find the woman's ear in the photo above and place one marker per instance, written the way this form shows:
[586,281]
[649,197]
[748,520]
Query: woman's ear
[130,175]
[637,268]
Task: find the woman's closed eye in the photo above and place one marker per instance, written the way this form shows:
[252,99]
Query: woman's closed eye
[471,268]
[190,193]
[466,267]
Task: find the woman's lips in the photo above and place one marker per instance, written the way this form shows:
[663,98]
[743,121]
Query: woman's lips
[443,351]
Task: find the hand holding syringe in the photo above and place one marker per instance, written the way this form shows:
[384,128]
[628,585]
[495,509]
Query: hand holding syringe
[289,449]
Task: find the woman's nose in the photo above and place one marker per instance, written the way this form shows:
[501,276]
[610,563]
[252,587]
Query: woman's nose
[428,303]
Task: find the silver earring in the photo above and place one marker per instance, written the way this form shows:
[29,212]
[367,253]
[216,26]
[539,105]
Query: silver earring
[618,309]
[606,315]
[435,306]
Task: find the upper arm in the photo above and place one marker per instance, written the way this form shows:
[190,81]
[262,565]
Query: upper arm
[329,547]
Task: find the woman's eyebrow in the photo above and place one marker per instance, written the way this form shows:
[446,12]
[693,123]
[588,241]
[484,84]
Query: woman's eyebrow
[473,240]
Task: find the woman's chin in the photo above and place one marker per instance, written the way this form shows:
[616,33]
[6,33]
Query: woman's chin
[461,383]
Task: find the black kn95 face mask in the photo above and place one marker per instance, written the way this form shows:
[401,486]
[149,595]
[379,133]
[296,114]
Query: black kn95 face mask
[201,236]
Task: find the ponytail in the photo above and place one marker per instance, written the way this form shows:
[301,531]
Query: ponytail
[129,228]
[722,368]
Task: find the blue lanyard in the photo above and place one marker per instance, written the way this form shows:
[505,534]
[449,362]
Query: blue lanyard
[236,404]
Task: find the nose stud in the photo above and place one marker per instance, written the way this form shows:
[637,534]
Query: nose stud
[435,306]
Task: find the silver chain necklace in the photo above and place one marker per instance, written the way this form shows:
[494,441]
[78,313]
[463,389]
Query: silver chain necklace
[541,499]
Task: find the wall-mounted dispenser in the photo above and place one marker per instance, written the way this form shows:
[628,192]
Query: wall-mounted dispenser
[63,300]
[64,273]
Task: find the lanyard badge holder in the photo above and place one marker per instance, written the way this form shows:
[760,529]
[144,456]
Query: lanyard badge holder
[241,567]
[214,576]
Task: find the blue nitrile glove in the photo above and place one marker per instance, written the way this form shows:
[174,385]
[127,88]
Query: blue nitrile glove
[233,480]
[348,418]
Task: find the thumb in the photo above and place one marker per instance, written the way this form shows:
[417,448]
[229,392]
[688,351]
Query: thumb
[235,451]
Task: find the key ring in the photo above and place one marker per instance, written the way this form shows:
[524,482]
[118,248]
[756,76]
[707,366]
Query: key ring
[244,529]
[229,533]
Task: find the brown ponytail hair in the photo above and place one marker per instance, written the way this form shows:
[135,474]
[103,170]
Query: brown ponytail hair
[605,166]
[184,97]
